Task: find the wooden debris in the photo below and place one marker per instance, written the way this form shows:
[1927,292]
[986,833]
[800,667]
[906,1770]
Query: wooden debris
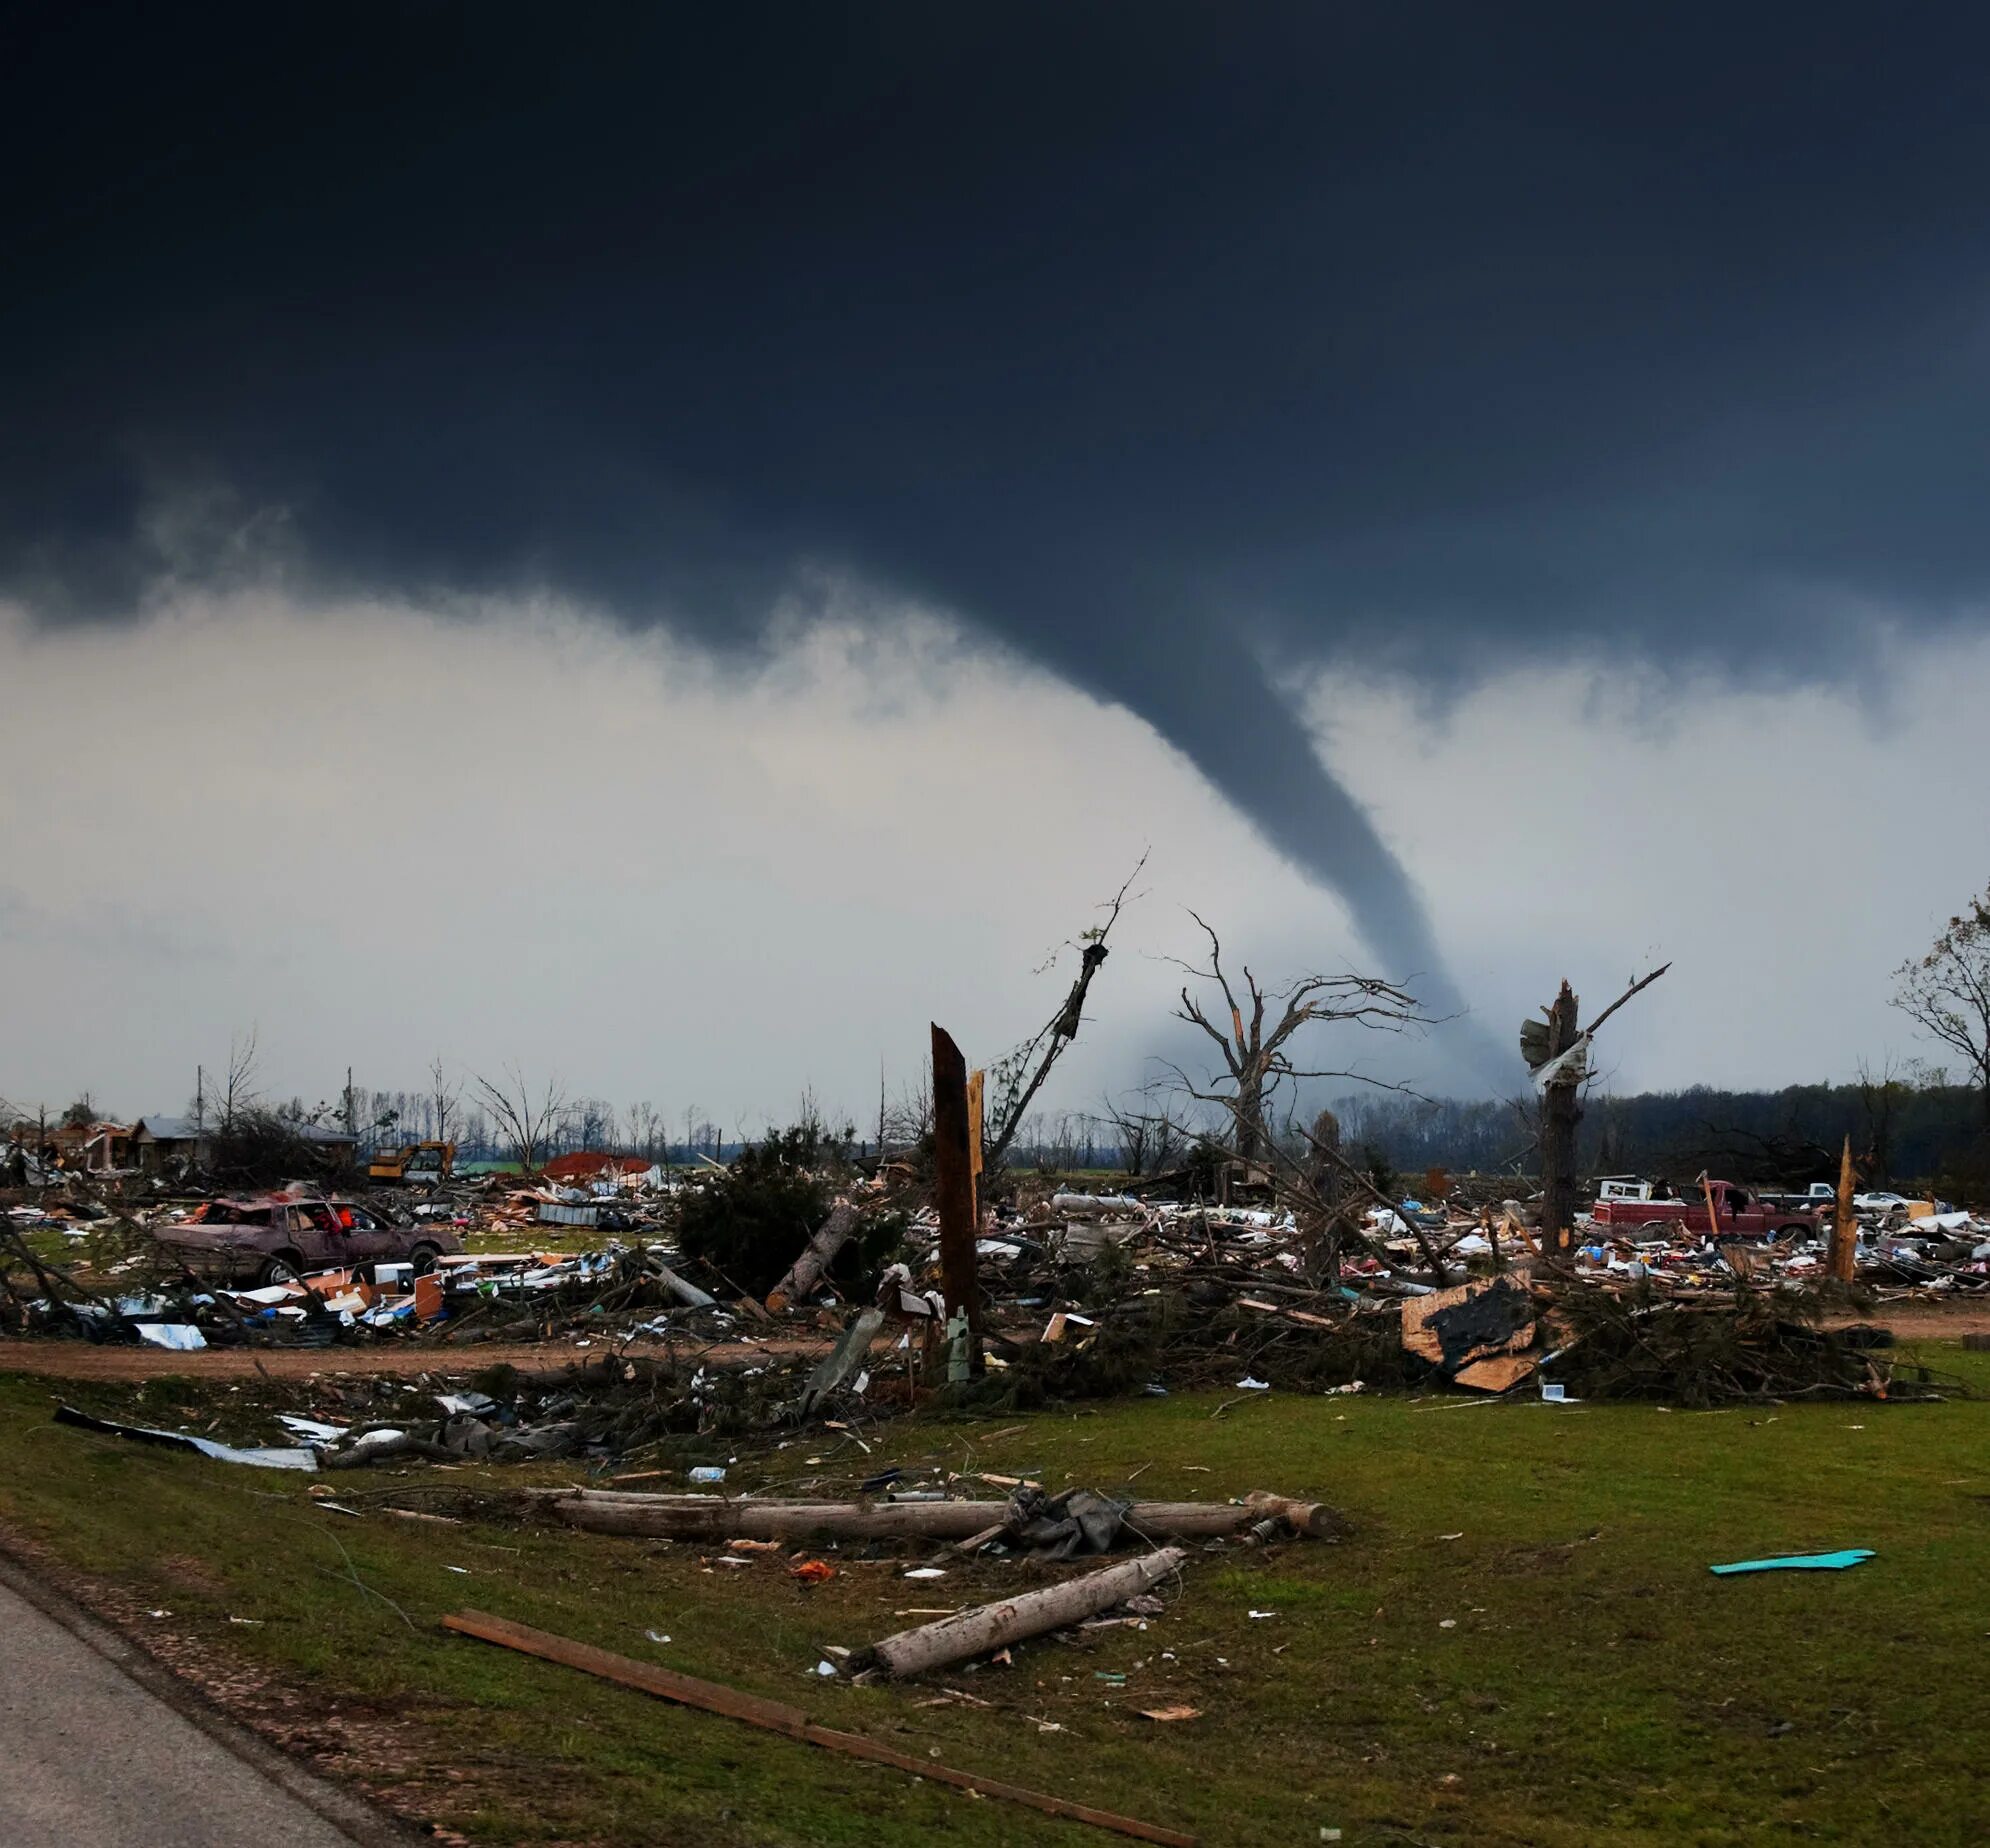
[789,1722]
[988,1627]
[718,1517]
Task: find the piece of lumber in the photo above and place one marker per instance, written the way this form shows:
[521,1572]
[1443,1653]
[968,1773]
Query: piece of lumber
[985,1628]
[778,1717]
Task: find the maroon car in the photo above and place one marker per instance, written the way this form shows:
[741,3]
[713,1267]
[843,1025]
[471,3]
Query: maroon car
[271,1241]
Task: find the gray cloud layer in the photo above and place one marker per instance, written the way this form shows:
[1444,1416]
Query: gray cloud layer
[1446,336]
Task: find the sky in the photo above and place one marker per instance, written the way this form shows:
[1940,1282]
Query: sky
[676,550]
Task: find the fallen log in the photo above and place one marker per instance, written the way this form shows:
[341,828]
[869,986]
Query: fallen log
[988,1627]
[719,1517]
[682,1288]
[790,1722]
[816,1257]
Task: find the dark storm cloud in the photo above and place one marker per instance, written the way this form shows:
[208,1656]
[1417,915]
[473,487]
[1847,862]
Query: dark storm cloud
[1144,337]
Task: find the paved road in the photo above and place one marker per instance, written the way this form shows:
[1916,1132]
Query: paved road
[89,1758]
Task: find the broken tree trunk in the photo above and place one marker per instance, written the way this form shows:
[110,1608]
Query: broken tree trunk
[1844,1226]
[1561,1111]
[718,1517]
[988,1627]
[816,1257]
[953,1192]
[682,1288]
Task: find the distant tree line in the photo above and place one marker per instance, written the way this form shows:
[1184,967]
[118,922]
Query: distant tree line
[1902,1129]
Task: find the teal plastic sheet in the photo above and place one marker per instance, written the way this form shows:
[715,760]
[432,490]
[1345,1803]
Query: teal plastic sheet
[1800,1562]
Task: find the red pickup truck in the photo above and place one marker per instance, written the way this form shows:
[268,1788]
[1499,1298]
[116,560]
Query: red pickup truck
[1736,1210]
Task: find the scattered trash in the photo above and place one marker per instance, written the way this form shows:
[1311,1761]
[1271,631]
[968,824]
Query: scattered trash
[206,1446]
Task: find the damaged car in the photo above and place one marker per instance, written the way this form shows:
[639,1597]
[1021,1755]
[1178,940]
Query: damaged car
[272,1240]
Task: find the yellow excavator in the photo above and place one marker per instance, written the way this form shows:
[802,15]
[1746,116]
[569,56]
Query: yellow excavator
[417,1164]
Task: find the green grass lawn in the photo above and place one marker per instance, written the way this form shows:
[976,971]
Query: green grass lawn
[1520,1642]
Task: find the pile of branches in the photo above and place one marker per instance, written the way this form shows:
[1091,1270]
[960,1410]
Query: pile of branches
[1172,1338]
[603,1411]
[1746,1348]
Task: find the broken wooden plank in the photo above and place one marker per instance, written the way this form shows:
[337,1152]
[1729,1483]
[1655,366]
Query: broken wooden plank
[789,1722]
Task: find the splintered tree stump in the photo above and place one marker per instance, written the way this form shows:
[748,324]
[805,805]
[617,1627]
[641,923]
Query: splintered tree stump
[1561,1111]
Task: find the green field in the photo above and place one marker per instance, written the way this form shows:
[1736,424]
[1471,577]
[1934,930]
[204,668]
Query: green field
[1519,1643]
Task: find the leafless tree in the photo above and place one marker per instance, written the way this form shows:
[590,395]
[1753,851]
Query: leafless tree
[643,1120]
[1150,1137]
[523,1119]
[910,1120]
[238,1090]
[1946,993]
[1257,1052]
[442,1097]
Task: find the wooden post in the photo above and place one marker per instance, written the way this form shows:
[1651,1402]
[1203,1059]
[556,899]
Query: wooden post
[976,1083]
[954,1188]
[1844,1227]
[1561,1111]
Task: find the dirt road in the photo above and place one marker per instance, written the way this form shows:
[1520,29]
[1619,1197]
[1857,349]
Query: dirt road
[78,1360]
